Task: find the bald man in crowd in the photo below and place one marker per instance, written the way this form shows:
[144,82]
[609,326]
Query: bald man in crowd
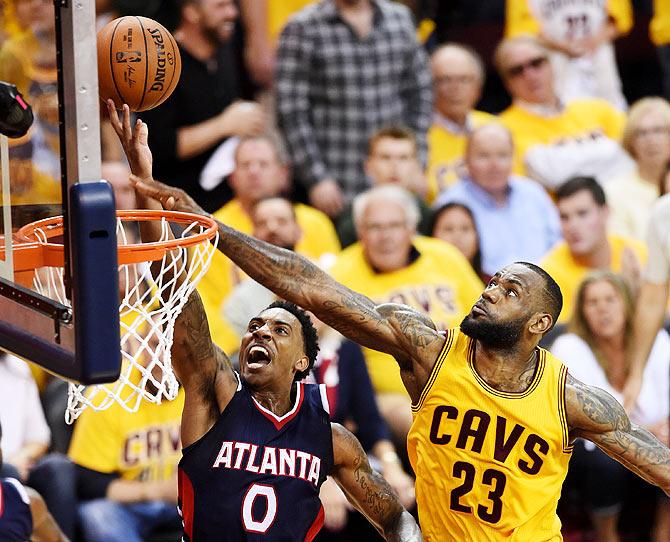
[458,77]
[516,219]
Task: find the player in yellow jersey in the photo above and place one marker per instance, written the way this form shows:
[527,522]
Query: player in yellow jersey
[494,415]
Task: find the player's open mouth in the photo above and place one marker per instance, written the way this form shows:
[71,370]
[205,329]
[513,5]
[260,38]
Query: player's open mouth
[258,356]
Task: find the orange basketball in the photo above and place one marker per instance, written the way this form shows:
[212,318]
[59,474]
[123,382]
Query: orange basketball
[138,63]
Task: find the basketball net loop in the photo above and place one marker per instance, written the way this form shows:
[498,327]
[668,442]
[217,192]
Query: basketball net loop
[149,306]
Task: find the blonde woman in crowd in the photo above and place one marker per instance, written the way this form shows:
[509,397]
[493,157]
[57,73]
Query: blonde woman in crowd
[646,138]
[594,351]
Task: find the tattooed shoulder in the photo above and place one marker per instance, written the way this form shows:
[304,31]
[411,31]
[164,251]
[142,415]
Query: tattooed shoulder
[593,409]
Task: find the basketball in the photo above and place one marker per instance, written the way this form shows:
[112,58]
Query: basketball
[138,62]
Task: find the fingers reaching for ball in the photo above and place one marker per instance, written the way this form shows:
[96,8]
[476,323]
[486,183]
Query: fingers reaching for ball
[134,140]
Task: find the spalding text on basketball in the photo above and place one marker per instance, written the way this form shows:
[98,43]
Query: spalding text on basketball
[159,77]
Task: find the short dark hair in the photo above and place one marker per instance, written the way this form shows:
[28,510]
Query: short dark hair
[393,131]
[552,295]
[309,336]
[577,184]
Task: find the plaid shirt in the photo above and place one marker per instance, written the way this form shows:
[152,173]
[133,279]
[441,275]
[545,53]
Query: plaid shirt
[334,89]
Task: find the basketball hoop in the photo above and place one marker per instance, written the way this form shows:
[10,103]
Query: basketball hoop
[149,299]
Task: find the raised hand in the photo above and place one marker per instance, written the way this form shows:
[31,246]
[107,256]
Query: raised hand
[134,140]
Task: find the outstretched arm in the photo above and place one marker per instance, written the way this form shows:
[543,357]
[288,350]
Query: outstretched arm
[395,329]
[595,415]
[367,490]
[202,368]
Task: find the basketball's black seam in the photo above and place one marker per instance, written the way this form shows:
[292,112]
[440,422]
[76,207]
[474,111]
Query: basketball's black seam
[146,63]
[111,64]
[167,88]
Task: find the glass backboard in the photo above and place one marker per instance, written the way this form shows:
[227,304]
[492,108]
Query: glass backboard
[72,330]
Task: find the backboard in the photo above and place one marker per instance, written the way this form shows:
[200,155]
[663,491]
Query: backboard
[50,55]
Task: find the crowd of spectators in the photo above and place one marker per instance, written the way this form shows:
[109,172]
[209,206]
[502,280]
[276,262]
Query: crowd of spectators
[360,134]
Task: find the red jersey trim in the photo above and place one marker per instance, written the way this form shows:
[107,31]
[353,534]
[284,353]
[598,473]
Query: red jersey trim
[187,502]
[316,526]
[281,421]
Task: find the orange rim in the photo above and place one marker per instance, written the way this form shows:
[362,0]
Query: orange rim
[32,252]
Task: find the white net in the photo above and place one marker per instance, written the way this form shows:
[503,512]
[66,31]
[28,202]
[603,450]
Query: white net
[151,296]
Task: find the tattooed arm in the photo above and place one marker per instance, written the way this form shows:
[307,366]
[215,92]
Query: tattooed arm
[595,415]
[367,490]
[201,367]
[395,329]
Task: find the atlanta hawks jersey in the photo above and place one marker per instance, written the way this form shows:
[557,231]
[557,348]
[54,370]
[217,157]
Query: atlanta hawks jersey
[256,476]
[489,464]
[16,520]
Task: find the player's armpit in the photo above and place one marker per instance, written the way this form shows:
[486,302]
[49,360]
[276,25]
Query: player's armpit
[45,528]
[367,490]
[595,415]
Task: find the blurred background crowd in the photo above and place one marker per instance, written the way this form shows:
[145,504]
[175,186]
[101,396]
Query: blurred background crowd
[412,149]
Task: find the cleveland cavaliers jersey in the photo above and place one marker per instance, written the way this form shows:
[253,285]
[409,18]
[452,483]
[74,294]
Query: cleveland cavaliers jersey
[256,476]
[489,464]
[16,520]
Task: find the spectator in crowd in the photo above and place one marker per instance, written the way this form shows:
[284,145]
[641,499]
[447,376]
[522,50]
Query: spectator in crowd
[595,353]
[274,221]
[28,184]
[28,60]
[646,138]
[117,174]
[26,440]
[26,433]
[24,514]
[263,20]
[204,109]
[579,36]
[345,69]
[458,77]
[454,223]
[391,263]
[392,158]
[260,172]
[587,244]
[516,219]
[659,31]
[556,140]
[126,467]
[652,298]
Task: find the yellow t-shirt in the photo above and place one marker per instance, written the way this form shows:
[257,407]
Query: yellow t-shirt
[446,150]
[144,445]
[439,283]
[659,27]
[580,119]
[521,19]
[569,274]
[489,464]
[318,239]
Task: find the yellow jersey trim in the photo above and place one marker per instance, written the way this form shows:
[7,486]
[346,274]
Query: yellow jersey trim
[435,370]
[539,370]
[562,410]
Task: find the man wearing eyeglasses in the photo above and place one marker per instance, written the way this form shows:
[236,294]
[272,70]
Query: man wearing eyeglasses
[556,140]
